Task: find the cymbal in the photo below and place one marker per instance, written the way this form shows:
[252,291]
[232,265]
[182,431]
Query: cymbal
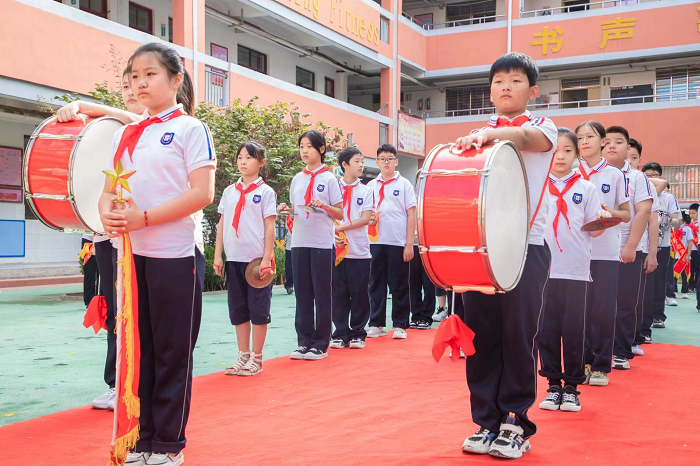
[252,275]
[601,224]
[310,209]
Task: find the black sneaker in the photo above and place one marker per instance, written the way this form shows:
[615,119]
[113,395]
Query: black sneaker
[553,400]
[299,353]
[413,325]
[647,339]
[423,325]
[510,442]
[570,400]
[658,324]
[315,354]
[620,363]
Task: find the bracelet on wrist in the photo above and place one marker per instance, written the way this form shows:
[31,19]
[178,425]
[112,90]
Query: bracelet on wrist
[145,217]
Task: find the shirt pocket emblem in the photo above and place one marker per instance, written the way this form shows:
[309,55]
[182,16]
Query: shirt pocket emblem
[257,199]
[360,201]
[320,188]
[577,198]
[605,188]
[396,192]
[167,138]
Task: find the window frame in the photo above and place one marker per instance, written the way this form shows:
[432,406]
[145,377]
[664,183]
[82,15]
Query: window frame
[150,17]
[264,55]
[327,80]
[105,6]
[313,79]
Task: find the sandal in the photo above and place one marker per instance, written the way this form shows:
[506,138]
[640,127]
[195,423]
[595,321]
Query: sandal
[243,357]
[253,366]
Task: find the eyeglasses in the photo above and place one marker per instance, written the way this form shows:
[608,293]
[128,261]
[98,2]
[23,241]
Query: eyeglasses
[389,160]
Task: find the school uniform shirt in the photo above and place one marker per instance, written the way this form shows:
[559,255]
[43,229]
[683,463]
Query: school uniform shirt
[612,190]
[399,196]
[315,230]
[688,236]
[583,203]
[260,203]
[537,165]
[655,207]
[638,190]
[362,201]
[163,159]
[669,204]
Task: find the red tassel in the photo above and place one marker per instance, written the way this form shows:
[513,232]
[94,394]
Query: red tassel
[96,314]
[452,332]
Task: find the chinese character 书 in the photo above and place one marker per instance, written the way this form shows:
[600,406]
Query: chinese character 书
[618,28]
[549,38]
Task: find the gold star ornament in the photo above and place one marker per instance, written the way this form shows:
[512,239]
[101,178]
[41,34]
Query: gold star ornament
[119,177]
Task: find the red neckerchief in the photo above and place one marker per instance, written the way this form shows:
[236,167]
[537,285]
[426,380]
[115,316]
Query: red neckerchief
[310,188]
[240,205]
[132,134]
[381,190]
[505,121]
[347,197]
[593,172]
[562,207]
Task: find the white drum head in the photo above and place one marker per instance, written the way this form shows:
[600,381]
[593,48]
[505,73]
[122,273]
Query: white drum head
[90,158]
[505,216]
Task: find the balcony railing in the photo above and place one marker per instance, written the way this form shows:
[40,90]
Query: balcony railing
[451,24]
[685,182]
[566,105]
[216,86]
[576,8]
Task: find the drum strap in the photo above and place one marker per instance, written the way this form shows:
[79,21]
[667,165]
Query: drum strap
[310,188]
[562,207]
[240,205]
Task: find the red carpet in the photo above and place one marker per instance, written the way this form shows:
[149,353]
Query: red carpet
[390,404]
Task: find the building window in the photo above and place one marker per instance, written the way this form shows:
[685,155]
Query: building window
[252,59]
[140,18]
[576,5]
[638,94]
[170,30]
[469,100]
[306,79]
[330,87]
[96,7]
[579,90]
[384,29]
[677,83]
[471,13]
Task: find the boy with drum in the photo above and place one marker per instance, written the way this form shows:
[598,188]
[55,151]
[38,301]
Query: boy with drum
[502,374]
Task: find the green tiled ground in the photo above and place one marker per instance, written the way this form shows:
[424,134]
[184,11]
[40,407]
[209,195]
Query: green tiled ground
[50,362]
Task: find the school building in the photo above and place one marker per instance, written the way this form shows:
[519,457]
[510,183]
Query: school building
[413,73]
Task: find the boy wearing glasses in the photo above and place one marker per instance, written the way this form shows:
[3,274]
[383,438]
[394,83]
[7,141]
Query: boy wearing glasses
[391,232]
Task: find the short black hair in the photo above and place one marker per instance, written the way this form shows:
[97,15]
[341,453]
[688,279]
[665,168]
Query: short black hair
[619,130]
[651,165]
[516,61]
[634,144]
[346,155]
[318,141]
[386,148]
[596,126]
[694,206]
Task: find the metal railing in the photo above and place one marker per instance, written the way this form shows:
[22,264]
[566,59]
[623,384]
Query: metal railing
[383,109]
[577,8]
[216,83]
[685,182]
[451,24]
[567,105]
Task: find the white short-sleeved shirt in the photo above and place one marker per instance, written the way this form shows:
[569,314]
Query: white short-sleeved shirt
[688,237]
[612,190]
[669,205]
[260,203]
[399,196]
[362,201]
[655,208]
[537,165]
[573,262]
[316,230]
[163,159]
[638,190]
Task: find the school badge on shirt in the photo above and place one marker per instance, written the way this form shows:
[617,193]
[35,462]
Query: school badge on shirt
[577,198]
[360,201]
[167,138]
[605,188]
[257,199]
[320,188]
[396,192]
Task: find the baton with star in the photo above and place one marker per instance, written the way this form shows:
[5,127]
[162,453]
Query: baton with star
[119,178]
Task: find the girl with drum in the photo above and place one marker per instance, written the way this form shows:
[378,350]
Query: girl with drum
[173,157]
[573,203]
[104,252]
[601,296]
[315,200]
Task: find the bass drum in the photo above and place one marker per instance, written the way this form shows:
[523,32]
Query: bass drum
[473,214]
[62,171]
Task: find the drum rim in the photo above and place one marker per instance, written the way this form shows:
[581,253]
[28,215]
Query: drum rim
[69,175]
[482,216]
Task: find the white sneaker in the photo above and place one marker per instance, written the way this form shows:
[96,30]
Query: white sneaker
[166,459]
[480,442]
[685,296]
[637,350]
[357,343]
[399,334]
[137,459]
[338,344]
[315,354]
[376,332]
[671,302]
[104,401]
[510,442]
[440,315]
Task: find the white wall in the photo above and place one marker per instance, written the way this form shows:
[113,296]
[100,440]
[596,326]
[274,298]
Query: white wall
[437,100]
[42,243]
[281,62]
